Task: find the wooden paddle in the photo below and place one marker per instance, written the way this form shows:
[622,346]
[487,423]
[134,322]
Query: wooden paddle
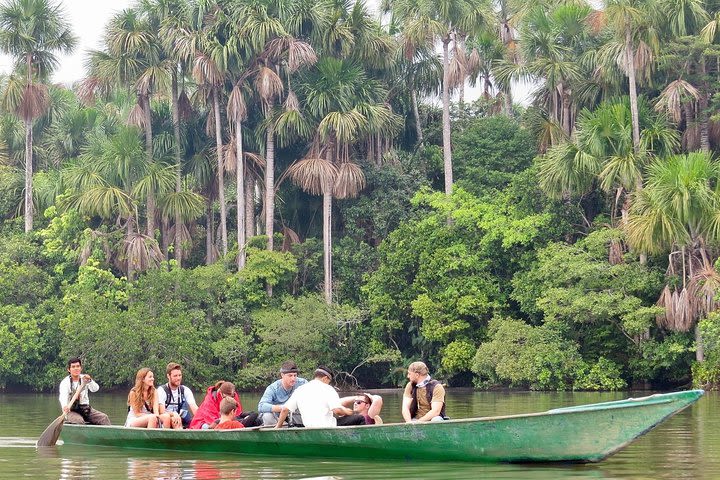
[51,434]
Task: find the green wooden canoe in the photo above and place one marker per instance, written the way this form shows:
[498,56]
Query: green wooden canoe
[585,433]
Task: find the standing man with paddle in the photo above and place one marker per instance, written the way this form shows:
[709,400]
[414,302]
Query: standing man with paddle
[80,411]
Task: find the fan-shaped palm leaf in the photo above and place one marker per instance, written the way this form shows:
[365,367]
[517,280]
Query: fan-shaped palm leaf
[187,205]
[343,126]
[268,84]
[674,95]
[349,182]
[314,175]
[141,252]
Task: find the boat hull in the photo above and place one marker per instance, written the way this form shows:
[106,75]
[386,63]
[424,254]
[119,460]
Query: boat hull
[586,433]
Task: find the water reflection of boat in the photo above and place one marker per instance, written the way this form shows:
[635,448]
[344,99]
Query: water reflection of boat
[584,433]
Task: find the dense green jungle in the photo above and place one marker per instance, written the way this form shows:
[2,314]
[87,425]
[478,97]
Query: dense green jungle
[238,182]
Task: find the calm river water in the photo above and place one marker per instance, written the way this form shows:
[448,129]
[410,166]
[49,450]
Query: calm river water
[686,446]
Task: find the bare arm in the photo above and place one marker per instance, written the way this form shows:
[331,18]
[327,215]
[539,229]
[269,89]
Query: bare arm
[344,411]
[376,406]
[406,408]
[348,401]
[283,415]
[434,412]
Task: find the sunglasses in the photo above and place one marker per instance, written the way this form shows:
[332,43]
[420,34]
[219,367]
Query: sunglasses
[358,402]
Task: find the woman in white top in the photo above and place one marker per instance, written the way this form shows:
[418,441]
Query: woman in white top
[143,407]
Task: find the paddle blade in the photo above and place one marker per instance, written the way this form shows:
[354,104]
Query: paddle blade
[51,434]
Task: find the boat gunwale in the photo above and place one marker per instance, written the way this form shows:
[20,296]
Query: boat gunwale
[655,399]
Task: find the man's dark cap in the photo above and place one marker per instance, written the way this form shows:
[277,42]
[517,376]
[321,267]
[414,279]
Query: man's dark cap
[289,367]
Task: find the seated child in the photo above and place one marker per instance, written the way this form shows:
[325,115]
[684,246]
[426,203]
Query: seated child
[228,407]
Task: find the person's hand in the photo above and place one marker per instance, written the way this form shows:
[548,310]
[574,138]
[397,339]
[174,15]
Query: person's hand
[87,378]
[66,409]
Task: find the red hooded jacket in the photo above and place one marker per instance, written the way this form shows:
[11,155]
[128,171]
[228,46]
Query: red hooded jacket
[209,409]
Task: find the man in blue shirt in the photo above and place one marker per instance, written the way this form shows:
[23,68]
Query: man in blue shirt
[278,392]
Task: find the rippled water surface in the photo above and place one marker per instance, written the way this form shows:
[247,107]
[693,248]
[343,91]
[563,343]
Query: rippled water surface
[686,446]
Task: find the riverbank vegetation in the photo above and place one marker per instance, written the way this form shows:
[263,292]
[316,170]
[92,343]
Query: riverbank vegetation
[238,182]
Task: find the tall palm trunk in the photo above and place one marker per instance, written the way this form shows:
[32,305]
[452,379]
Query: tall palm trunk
[416,114]
[221,172]
[699,348]
[460,45]
[28,157]
[327,242]
[178,164]
[28,176]
[149,152]
[507,102]
[447,152]
[130,266]
[250,230]
[270,187]
[209,232]
[703,113]
[630,59]
[566,116]
[240,195]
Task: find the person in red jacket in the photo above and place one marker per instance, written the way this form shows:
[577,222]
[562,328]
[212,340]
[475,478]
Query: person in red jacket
[209,409]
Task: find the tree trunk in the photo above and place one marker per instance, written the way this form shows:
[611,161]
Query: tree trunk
[416,115]
[703,113]
[28,157]
[630,59]
[699,348]
[250,209]
[221,172]
[28,176]
[209,228]
[240,195]
[270,187]
[460,45]
[178,164]
[149,152]
[567,126]
[327,243]
[447,151]
[130,266]
[508,102]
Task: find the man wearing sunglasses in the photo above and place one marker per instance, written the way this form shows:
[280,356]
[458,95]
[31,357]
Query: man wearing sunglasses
[367,405]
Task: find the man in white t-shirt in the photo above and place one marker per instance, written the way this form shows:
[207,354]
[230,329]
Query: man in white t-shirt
[317,401]
[176,398]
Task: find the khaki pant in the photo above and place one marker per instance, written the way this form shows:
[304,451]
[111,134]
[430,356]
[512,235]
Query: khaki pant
[91,416]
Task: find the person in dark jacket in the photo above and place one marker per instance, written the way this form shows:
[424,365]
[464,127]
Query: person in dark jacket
[424,397]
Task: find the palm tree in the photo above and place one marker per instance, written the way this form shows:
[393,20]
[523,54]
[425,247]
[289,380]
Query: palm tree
[428,21]
[344,105]
[632,24]
[171,18]
[602,150]
[108,180]
[133,58]
[678,211]
[209,71]
[553,42]
[259,22]
[32,32]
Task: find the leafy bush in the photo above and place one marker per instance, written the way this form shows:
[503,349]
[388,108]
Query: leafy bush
[603,375]
[524,356]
